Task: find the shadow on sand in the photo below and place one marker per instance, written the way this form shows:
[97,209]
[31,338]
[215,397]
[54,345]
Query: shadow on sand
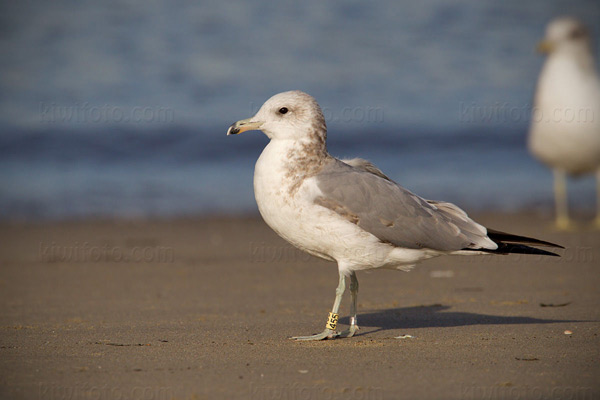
[436,316]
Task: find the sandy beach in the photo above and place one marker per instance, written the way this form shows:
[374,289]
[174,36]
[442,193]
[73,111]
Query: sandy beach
[203,308]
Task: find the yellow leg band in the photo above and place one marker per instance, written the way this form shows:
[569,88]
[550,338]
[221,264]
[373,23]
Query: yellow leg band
[332,321]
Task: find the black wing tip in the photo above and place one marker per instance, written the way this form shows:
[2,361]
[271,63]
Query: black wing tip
[516,244]
[503,237]
[509,248]
[509,243]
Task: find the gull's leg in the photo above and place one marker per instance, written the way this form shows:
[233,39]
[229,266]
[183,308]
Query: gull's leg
[331,324]
[560,198]
[353,323]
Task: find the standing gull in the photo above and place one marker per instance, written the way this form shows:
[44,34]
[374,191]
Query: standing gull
[565,128]
[349,211]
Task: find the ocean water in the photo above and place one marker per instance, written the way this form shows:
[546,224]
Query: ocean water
[120,108]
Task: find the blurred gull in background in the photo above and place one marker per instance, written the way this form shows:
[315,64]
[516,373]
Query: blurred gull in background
[565,128]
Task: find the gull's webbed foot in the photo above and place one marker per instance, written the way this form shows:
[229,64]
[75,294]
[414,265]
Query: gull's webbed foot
[329,332]
[348,332]
[326,334]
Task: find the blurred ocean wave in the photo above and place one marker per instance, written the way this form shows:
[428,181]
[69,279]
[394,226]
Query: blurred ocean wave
[120,108]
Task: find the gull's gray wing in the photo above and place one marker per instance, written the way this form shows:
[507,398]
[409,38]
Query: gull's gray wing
[393,214]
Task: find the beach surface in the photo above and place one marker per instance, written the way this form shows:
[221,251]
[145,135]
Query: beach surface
[203,309]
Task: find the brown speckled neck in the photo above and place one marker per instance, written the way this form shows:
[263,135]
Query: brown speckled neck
[306,159]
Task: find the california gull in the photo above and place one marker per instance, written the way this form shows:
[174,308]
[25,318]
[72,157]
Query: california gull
[565,128]
[349,211]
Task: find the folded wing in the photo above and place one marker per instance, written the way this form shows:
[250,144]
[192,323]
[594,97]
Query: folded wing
[366,197]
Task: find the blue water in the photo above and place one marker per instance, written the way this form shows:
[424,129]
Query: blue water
[120,108]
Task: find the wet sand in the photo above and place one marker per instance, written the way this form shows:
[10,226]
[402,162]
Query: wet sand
[202,309]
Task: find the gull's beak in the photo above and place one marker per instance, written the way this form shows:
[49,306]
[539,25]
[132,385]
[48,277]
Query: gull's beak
[243,126]
[545,47]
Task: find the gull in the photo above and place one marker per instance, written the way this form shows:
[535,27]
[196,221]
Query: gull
[349,211]
[565,127]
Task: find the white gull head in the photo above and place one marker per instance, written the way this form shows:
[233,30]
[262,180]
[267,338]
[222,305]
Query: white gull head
[289,115]
[566,35]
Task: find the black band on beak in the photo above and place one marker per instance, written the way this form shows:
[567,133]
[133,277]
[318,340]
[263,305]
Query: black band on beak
[233,129]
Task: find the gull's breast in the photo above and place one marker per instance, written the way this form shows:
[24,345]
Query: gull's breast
[284,203]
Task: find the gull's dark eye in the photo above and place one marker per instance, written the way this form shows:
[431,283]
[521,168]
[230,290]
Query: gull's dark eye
[283,110]
[578,33]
